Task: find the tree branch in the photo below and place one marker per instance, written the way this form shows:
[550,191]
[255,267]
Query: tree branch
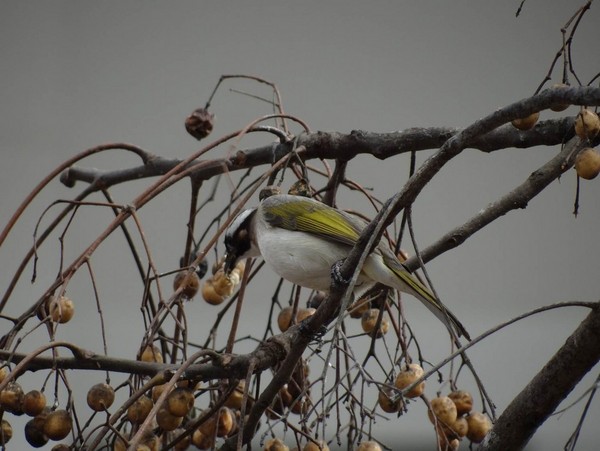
[333,145]
[495,135]
[548,388]
[519,197]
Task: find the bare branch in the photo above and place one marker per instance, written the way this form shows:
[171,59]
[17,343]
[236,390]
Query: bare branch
[536,402]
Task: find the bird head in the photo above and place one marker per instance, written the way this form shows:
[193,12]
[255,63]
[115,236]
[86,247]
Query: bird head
[240,240]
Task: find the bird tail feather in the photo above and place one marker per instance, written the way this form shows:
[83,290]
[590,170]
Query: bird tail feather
[421,292]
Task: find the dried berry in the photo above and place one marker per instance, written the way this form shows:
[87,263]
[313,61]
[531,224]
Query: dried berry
[100,397]
[526,123]
[407,377]
[200,123]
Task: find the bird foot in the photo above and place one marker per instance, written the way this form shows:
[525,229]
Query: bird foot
[336,273]
[316,336]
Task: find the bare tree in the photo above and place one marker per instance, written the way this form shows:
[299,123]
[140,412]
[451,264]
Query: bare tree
[320,367]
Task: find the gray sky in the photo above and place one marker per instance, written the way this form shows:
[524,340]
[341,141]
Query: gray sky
[79,74]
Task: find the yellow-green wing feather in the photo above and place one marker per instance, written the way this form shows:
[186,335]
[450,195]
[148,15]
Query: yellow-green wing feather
[307,215]
[417,286]
[423,294]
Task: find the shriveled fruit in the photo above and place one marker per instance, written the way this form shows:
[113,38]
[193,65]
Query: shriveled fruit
[189,283]
[225,285]
[238,272]
[358,307]
[408,376]
[225,422]
[460,427]
[559,106]
[152,354]
[34,434]
[33,403]
[526,123]
[58,424]
[587,163]
[209,427]
[275,444]
[119,445]
[304,313]
[200,123]
[286,396]
[317,299]
[180,401]
[220,423]
[189,383]
[139,410]
[369,322]
[209,293]
[182,444]
[369,446]
[444,410]
[237,415]
[235,399]
[3,373]
[300,405]
[201,440]
[166,420]
[284,319]
[587,124]
[6,432]
[100,397]
[157,391]
[11,398]
[463,401]
[60,447]
[387,402]
[61,310]
[319,446]
[479,426]
[149,442]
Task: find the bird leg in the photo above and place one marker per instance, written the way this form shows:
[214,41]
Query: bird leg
[336,273]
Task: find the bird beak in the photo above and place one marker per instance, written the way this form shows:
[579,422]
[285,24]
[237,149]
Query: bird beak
[229,264]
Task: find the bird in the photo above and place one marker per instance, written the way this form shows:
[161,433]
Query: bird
[301,239]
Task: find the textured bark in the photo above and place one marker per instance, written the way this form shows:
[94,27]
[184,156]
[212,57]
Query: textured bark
[538,400]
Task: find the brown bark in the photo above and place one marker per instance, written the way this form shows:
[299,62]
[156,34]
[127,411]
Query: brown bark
[530,408]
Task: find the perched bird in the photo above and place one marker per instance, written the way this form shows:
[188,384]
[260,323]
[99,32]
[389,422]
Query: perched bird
[301,239]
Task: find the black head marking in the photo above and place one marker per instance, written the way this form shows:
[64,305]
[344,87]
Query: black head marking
[238,238]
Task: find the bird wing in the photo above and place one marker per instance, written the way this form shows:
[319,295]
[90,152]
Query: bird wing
[310,216]
[307,215]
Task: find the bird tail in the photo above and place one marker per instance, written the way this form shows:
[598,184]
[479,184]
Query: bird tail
[421,292]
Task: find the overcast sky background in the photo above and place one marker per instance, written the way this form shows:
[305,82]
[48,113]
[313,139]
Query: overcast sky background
[78,74]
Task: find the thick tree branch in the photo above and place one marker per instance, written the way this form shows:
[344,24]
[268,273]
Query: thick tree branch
[495,135]
[515,427]
[334,145]
[223,366]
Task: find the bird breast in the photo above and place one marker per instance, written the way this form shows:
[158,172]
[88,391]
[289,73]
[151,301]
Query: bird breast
[299,257]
